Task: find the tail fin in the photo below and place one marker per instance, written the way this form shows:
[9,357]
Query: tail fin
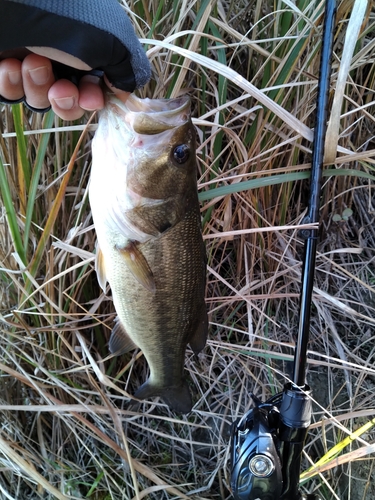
[177,398]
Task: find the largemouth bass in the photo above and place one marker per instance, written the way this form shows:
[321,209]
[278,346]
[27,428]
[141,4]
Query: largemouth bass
[144,202]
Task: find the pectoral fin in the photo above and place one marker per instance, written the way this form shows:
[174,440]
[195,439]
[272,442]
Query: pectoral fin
[120,342]
[100,268]
[138,265]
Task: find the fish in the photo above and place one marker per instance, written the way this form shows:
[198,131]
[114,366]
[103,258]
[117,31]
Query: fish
[144,202]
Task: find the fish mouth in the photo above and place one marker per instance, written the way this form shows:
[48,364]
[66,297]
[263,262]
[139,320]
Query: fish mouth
[151,116]
[164,106]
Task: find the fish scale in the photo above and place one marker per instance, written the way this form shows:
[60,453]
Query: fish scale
[150,248]
[175,310]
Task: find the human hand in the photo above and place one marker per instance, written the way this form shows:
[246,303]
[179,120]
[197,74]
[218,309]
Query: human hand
[33,81]
[77,35]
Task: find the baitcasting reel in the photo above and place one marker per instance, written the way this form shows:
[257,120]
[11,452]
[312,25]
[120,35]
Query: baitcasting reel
[255,454]
[267,444]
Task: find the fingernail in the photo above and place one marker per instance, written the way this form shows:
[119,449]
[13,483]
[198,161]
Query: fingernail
[14,77]
[39,76]
[90,78]
[65,102]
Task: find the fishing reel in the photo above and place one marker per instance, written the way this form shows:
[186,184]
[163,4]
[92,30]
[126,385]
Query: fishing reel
[266,447]
[255,454]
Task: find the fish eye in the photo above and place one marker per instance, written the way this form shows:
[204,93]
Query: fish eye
[181,153]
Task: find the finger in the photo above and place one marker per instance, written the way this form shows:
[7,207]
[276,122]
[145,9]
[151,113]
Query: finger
[11,87]
[60,56]
[90,93]
[121,94]
[64,98]
[37,76]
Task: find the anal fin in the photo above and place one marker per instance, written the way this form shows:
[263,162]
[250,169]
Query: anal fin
[120,342]
[138,265]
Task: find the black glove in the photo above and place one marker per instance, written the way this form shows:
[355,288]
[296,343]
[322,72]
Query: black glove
[96,31]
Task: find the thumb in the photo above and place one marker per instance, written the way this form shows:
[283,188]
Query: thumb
[121,94]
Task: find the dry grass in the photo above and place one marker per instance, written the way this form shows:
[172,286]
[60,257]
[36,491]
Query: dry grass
[251,69]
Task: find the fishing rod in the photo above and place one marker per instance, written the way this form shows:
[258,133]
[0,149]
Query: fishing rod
[267,442]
